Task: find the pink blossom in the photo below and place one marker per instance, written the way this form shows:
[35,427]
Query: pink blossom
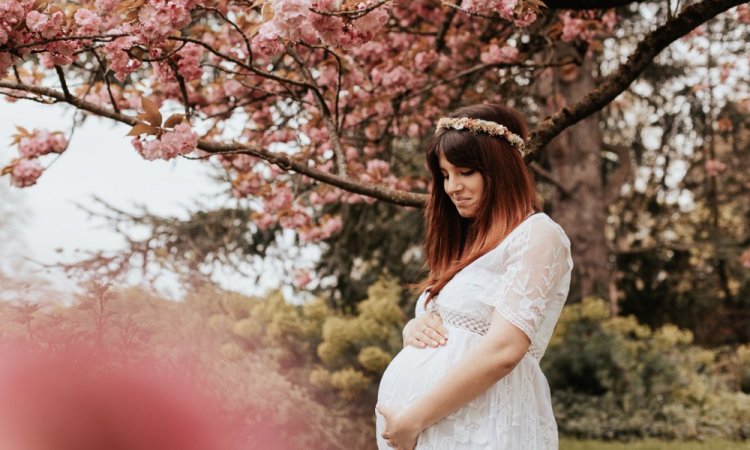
[332,30]
[25,173]
[726,70]
[12,13]
[46,26]
[246,184]
[120,61]
[326,197]
[234,88]
[496,54]
[154,25]
[424,59]
[105,6]
[290,18]
[525,19]
[372,22]
[715,167]
[398,78]
[6,60]
[59,53]
[745,259]
[169,145]
[264,220]
[743,13]
[504,8]
[302,278]
[267,41]
[281,198]
[157,19]
[41,143]
[573,27]
[330,226]
[189,63]
[88,21]
[609,20]
[297,218]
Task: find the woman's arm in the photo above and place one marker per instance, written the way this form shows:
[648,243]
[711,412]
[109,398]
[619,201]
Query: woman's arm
[483,365]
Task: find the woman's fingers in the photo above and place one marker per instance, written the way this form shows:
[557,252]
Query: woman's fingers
[436,323]
[433,337]
[427,329]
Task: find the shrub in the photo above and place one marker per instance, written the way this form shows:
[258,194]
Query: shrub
[616,378]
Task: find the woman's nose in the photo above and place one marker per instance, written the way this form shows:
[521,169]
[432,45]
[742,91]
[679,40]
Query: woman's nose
[452,186]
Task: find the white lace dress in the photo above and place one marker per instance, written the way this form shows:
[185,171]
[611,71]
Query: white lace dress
[526,279]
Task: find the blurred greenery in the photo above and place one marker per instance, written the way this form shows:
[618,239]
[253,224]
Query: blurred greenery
[615,378]
[651,444]
[310,374]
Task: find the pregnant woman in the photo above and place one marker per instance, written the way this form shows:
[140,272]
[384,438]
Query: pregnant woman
[499,272]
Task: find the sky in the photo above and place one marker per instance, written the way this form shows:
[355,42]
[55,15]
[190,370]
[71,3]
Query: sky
[99,162]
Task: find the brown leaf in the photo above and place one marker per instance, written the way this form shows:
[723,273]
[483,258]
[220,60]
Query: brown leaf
[129,5]
[538,3]
[22,131]
[53,9]
[267,12]
[173,120]
[141,128]
[253,30]
[8,169]
[152,114]
[40,5]
[569,72]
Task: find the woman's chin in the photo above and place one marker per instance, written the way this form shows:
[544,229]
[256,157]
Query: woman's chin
[466,214]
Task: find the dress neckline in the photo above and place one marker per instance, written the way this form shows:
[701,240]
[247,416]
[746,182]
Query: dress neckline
[528,218]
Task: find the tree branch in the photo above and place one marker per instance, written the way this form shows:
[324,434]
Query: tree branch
[547,175]
[285,161]
[325,112]
[589,4]
[619,81]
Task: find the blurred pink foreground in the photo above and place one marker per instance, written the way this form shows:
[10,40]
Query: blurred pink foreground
[76,401]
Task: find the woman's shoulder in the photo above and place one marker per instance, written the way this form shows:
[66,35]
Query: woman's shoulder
[542,226]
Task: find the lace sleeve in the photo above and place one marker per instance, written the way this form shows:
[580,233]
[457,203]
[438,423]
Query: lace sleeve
[536,278]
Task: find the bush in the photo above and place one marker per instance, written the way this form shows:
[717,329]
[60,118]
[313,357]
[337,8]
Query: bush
[616,378]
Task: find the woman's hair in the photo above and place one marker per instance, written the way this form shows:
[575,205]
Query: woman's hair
[452,242]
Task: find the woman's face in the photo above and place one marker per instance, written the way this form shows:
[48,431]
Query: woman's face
[464,186]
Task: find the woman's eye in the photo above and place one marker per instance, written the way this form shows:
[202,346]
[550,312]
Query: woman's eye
[467,173]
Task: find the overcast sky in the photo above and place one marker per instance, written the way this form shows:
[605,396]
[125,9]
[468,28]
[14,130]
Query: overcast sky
[99,161]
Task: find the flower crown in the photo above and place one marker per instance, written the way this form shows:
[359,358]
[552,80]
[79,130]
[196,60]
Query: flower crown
[482,126]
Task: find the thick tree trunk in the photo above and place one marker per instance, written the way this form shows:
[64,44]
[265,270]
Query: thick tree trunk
[575,161]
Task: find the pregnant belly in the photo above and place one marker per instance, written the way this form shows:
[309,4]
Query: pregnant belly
[411,373]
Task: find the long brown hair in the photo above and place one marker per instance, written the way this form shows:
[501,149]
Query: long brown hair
[453,242]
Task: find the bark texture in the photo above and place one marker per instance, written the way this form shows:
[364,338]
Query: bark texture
[575,160]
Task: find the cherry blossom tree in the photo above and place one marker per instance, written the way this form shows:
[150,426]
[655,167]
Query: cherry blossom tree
[309,103]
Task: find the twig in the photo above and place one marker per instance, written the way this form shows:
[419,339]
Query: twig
[351,13]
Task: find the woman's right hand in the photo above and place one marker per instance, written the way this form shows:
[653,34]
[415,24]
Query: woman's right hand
[427,329]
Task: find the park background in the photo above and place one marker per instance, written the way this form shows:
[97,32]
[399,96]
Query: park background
[288,286]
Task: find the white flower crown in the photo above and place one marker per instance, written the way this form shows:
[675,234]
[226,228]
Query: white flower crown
[482,126]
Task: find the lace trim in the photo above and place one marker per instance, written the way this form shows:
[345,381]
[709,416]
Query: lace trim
[481,326]
[461,320]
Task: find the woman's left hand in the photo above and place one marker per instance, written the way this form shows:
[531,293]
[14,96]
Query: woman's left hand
[399,432]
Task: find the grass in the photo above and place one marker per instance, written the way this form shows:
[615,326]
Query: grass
[653,444]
